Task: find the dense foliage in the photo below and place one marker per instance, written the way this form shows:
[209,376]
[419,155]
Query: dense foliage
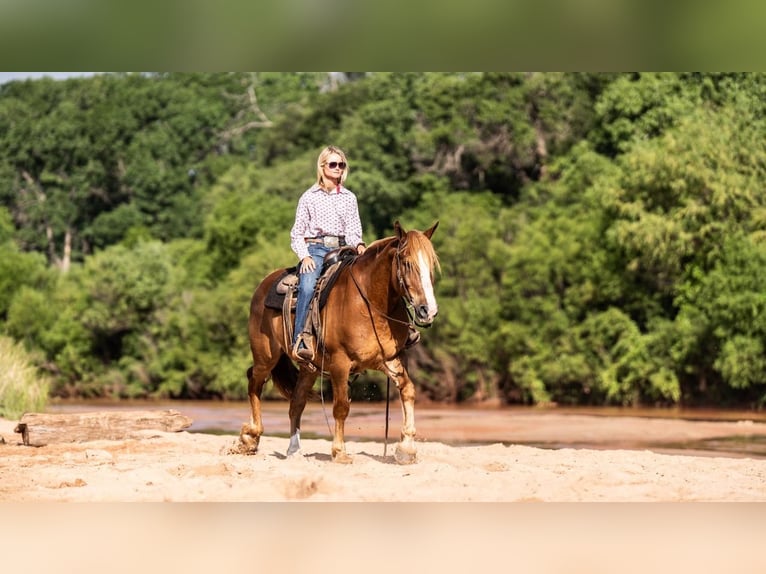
[602,236]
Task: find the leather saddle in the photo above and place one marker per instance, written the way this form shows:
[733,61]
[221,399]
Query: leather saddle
[283,293]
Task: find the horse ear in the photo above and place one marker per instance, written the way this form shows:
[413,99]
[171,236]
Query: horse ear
[400,232]
[430,231]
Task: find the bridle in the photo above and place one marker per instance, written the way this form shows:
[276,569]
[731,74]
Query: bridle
[406,297]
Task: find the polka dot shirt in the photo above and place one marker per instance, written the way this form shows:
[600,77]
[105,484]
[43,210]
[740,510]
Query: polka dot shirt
[322,213]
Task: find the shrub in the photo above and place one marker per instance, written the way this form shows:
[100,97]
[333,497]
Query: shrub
[22,389]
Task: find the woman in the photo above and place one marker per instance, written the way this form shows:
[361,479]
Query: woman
[327,217]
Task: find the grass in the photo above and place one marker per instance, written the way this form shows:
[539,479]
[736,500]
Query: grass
[22,389]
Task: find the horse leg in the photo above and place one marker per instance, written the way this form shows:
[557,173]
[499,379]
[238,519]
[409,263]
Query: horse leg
[306,380]
[405,453]
[340,408]
[250,434]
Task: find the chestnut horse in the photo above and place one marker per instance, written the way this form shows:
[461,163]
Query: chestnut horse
[365,323]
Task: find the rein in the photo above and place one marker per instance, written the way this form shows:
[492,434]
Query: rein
[371,309]
[369,304]
[377,336]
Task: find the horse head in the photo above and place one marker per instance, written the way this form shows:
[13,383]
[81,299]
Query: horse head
[415,262]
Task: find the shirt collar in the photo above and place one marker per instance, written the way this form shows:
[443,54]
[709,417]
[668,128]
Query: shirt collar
[316,187]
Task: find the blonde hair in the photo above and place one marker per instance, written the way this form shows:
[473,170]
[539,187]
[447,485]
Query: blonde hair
[322,160]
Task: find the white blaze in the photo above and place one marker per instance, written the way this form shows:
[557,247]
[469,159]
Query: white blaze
[428,288]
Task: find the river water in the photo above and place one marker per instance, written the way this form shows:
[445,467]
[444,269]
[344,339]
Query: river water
[699,432]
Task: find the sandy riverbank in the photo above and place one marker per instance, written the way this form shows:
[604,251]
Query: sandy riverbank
[187,466]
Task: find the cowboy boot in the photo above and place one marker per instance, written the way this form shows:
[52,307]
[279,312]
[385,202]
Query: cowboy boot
[413,338]
[304,347]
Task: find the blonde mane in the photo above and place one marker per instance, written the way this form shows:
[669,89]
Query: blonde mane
[415,243]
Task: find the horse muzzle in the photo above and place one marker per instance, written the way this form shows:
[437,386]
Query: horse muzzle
[424,315]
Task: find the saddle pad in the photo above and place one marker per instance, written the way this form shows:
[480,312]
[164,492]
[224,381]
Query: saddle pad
[275,300]
[345,262]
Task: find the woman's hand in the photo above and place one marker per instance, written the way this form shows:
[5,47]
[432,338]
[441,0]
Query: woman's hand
[307,264]
[361,248]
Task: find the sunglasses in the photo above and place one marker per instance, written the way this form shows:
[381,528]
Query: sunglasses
[334,164]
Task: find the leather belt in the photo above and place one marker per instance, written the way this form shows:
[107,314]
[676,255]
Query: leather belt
[329,241]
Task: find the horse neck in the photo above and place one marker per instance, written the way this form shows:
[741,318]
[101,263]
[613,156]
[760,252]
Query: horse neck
[380,281]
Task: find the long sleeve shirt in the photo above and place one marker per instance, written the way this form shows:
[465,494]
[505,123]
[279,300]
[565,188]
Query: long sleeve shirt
[325,213]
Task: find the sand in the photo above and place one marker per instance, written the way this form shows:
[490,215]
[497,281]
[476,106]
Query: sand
[190,466]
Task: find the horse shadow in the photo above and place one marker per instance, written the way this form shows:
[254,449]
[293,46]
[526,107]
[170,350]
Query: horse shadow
[382,459]
[323,457]
[315,455]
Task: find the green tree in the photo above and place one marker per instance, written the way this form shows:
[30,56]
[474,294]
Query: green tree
[599,235]
[722,318]
[74,152]
[680,195]
[244,212]
[17,270]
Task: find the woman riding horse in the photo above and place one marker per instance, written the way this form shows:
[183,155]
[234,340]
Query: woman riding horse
[327,217]
[365,325]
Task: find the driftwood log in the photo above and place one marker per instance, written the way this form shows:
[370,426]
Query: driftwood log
[38,429]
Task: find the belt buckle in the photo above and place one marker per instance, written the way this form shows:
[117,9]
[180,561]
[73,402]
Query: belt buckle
[331,241]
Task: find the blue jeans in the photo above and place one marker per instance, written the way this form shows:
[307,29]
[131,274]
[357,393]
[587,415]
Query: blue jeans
[306,287]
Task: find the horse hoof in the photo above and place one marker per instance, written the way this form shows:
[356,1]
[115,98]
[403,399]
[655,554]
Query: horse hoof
[292,451]
[295,443]
[248,445]
[405,457]
[342,458]
[249,442]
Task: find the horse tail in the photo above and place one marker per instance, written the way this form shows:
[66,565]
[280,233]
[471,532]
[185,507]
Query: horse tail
[284,375]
